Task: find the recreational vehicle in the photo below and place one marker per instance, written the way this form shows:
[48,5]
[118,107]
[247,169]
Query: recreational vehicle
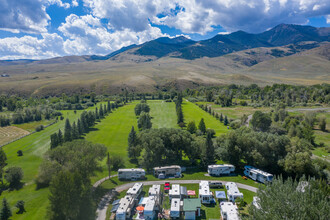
[205,195]
[218,170]
[175,193]
[150,208]
[168,171]
[257,175]
[154,190]
[125,208]
[233,192]
[135,191]
[175,208]
[131,174]
[229,211]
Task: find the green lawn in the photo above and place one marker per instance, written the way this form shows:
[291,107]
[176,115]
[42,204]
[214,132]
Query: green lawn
[113,133]
[33,147]
[192,112]
[31,126]
[163,114]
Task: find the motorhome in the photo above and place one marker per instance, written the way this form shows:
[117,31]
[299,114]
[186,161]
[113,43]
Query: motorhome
[125,208]
[135,191]
[150,208]
[175,193]
[229,211]
[131,174]
[233,192]
[218,170]
[257,175]
[167,171]
[175,208]
[205,195]
[154,190]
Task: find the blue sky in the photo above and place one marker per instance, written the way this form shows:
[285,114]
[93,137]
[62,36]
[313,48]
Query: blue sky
[39,29]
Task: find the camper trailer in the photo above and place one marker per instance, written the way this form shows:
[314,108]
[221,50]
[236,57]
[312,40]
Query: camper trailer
[175,192]
[154,190]
[150,208]
[233,192]
[205,195]
[257,175]
[229,211]
[168,171]
[175,208]
[125,208]
[131,174]
[135,191]
[218,170]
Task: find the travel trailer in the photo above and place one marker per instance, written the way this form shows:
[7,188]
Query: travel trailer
[218,170]
[168,171]
[131,174]
[175,208]
[135,191]
[150,208]
[125,208]
[205,195]
[175,192]
[233,192]
[257,175]
[229,211]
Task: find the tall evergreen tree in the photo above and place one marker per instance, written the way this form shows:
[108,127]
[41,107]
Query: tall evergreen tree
[221,117]
[105,109]
[132,140]
[191,127]
[3,163]
[53,141]
[209,147]
[109,107]
[202,126]
[75,131]
[80,127]
[225,121]
[179,115]
[67,131]
[101,111]
[5,212]
[60,137]
[97,116]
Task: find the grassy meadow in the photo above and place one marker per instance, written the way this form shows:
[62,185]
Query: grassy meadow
[163,114]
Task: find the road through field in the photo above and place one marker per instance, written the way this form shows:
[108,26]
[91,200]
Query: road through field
[101,211]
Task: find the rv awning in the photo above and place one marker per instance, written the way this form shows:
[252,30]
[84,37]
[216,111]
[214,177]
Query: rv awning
[116,202]
[143,200]
[115,207]
[191,193]
[183,190]
[220,194]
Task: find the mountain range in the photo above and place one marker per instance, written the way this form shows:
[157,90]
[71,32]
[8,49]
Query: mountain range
[286,53]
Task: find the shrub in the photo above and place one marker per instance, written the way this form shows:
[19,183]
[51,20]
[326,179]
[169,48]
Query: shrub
[19,153]
[20,206]
[39,128]
[117,162]
[13,176]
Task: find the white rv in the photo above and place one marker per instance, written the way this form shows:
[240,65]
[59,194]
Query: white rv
[168,171]
[154,190]
[135,191]
[218,170]
[175,193]
[257,175]
[205,195]
[131,174]
[233,192]
[150,208]
[229,211]
[175,208]
[125,208]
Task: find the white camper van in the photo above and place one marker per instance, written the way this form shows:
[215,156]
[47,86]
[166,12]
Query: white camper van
[175,208]
[168,171]
[131,174]
[218,170]
[257,175]
[205,194]
[233,192]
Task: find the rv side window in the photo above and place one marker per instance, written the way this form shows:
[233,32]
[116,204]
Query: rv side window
[120,172]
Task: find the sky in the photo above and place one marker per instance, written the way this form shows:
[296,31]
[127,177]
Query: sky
[40,29]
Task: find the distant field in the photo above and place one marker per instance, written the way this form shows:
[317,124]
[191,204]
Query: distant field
[192,112]
[31,126]
[163,114]
[10,133]
[33,146]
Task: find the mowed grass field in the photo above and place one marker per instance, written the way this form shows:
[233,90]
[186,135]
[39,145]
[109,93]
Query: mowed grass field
[163,114]
[10,133]
[192,112]
[33,146]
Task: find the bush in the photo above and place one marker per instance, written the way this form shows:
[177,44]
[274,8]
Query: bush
[13,176]
[20,206]
[39,128]
[117,162]
[19,153]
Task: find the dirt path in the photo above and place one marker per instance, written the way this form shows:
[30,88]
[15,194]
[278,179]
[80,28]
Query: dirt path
[101,211]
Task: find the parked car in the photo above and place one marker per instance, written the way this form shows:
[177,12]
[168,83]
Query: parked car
[161,176]
[167,187]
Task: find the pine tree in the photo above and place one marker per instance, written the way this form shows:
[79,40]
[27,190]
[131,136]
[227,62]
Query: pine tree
[179,114]
[67,131]
[209,148]
[53,141]
[80,127]
[225,121]
[202,126]
[109,107]
[221,117]
[105,109]
[5,212]
[191,127]
[75,131]
[101,111]
[97,116]
[132,138]
[60,137]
